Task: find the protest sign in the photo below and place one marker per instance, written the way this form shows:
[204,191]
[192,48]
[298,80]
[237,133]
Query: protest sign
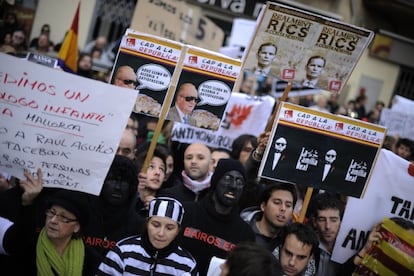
[60,123]
[208,79]
[178,21]
[154,61]
[398,123]
[389,193]
[402,104]
[321,150]
[244,115]
[307,49]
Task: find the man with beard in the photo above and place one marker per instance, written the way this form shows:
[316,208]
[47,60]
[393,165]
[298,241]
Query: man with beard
[213,227]
[326,214]
[273,215]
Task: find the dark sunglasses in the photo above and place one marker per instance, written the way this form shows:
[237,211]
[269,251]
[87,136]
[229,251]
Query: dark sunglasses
[190,98]
[128,82]
[330,155]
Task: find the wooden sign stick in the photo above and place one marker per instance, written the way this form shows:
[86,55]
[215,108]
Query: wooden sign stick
[269,126]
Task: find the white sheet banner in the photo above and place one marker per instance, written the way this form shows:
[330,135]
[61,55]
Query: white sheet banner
[390,193]
[402,104]
[398,123]
[244,115]
[68,126]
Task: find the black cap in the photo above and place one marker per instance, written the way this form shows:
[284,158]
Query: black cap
[73,201]
[225,165]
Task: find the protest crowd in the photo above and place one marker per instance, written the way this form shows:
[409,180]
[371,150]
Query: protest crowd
[195,210]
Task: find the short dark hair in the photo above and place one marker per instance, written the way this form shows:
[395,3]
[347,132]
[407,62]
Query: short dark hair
[316,57]
[250,259]
[267,44]
[325,201]
[305,234]
[160,151]
[278,186]
[406,142]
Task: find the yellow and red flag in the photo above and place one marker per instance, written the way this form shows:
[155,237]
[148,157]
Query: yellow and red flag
[392,256]
[68,53]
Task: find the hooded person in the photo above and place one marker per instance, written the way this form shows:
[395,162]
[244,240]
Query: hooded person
[212,226]
[113,215]
[157,250]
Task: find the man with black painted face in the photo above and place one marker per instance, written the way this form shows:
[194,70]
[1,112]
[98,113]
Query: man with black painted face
[212,226]
[112,214]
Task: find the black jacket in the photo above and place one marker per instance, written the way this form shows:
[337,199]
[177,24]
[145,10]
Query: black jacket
[207,233]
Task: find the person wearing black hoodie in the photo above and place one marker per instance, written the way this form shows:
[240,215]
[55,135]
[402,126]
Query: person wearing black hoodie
[112,214]
[212,226]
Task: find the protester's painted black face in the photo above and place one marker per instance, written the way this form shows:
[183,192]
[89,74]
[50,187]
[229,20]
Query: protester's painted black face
[229,188]
[115,192]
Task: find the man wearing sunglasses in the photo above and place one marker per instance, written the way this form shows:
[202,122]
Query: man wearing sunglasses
[125,77]
[185,102]
[327,172]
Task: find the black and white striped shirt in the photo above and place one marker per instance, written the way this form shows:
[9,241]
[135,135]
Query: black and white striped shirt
[130,258]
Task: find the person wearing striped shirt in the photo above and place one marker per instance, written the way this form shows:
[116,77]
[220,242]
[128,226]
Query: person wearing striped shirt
[156,251]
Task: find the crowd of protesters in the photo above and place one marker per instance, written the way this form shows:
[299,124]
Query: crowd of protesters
[191,205]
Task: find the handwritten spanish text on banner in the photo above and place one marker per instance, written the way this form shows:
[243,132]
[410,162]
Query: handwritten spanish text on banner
[66,125]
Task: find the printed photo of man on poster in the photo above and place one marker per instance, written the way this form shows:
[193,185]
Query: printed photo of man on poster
[319,151]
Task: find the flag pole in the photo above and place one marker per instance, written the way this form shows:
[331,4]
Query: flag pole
[68,53]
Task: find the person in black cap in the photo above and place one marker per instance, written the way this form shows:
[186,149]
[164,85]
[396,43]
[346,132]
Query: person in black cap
[58,249]
[212,226]
[156,251]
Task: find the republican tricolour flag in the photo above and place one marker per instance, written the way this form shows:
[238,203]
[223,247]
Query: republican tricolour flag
[68,53]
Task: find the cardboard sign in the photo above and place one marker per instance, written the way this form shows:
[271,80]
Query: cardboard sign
[213,76]
[307,49]
[66,125]
[244,115]
[178,21]
[321,150]
[154,61]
